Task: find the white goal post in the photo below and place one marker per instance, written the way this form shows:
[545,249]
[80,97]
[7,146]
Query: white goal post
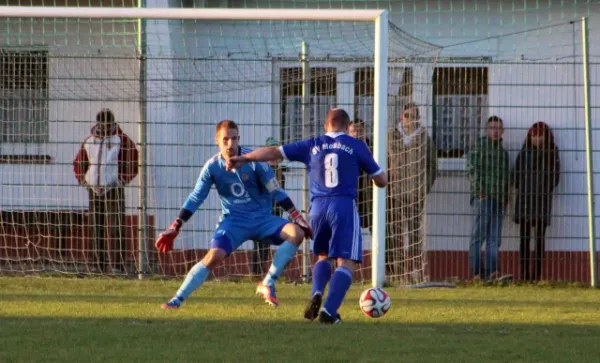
[379,18]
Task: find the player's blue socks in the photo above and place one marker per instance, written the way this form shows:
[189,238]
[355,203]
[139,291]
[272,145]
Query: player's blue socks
[284,254]
[340,283]
[195,277]
[321,275]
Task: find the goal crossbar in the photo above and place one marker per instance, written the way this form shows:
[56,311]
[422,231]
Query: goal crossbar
[192,14]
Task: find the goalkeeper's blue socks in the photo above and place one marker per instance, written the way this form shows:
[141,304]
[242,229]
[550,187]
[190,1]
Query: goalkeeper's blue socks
[340,283]
[195,277]
[321,276]
[284,254]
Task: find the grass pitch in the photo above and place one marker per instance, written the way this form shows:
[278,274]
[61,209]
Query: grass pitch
[89,320]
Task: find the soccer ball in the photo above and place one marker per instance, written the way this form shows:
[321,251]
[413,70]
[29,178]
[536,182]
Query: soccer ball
[375,302]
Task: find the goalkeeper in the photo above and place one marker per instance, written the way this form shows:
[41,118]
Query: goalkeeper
[246,199]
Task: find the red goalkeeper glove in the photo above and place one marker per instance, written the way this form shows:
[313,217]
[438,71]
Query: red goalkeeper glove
[165,240]
[302,223]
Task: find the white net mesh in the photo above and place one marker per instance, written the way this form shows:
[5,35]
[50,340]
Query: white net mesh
[167,87]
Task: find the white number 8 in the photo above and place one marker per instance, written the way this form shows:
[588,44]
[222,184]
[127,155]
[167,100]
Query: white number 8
[331,171]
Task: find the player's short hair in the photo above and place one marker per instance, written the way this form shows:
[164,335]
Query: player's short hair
[337,117]
[105,116]
[226,125]
[494,119]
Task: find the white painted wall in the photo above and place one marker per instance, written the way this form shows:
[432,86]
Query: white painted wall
[182,110]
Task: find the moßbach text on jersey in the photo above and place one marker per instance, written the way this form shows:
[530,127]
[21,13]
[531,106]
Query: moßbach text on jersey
[335,145]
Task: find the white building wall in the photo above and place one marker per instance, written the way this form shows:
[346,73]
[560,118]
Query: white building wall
[181,125]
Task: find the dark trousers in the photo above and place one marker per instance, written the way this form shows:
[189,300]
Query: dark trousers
[525,229]
[260,253]
[107,218]
[260,256]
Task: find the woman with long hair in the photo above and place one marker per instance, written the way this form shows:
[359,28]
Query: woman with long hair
[535,175]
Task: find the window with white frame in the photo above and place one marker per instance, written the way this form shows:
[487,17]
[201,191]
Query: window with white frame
[24,80]
[364,92]
[323,95]
[460,106]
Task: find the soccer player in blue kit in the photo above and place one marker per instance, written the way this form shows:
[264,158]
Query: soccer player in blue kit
[246,198]
[334,163]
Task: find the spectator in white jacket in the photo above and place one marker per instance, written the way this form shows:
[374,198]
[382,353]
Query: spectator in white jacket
[105,163]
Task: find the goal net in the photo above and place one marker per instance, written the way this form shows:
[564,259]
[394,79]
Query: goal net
[82,195]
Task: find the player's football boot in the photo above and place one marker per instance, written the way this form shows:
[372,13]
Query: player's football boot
[326,318]
[173,304]
[268,293]
[312,309]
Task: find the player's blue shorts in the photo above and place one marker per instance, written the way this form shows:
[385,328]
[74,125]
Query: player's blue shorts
[336,228]
[233,231]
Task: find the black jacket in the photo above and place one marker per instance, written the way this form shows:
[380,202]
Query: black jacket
[365,196]
[535,175]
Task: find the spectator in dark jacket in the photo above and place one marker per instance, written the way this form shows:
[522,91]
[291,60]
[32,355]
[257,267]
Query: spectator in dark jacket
[535,175]
[357,130]
[260,254]
[106,162]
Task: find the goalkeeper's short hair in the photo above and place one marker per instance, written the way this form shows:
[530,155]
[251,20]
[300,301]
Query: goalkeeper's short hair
[226,125]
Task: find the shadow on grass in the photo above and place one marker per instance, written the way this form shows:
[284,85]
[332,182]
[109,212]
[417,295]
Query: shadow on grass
[499,303]
[162,339]
[200,296]
[58,298]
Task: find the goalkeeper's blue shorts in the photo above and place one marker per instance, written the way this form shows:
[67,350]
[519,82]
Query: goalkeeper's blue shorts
[233,231]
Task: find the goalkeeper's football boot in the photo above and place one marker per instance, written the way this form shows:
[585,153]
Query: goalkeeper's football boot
[173,304]
[326,318]
[268,293]
[312,309]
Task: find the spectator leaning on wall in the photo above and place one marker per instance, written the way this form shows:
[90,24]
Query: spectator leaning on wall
[412,170]
[260,254]
[488,168]
[535,175]
[357,130]
[106,162]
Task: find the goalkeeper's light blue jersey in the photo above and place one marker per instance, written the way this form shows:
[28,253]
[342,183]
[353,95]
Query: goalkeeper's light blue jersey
[244,192]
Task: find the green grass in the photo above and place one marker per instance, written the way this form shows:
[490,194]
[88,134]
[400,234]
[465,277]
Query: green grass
[64,320]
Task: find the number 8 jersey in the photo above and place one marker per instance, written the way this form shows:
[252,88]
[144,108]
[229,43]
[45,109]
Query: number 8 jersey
[334,161]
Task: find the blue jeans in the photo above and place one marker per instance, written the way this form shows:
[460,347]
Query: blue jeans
[486,227]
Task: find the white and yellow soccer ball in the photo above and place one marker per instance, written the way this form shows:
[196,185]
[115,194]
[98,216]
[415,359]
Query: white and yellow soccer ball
[375,302]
